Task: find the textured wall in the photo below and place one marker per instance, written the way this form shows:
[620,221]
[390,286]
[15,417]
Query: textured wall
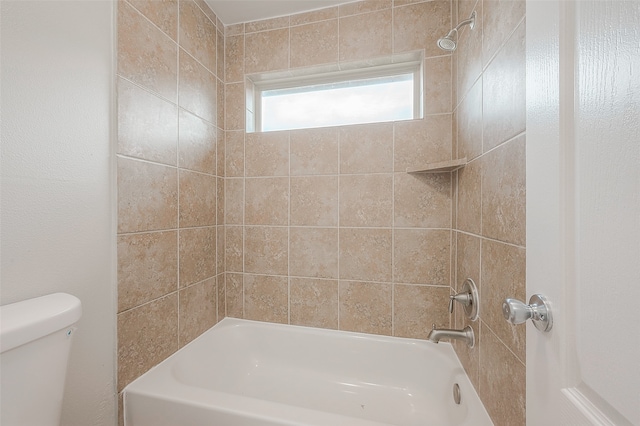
[489,129]
[323,226]
[170,255]
[57,208]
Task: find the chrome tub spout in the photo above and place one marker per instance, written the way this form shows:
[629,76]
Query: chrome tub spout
[466,335]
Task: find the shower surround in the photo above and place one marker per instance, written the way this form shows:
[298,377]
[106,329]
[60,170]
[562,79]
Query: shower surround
[319,227]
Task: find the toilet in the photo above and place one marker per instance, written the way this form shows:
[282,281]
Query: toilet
[35,338]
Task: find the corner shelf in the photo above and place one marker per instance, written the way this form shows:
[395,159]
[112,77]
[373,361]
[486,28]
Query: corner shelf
[441,167]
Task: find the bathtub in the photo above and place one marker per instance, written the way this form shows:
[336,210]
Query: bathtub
[248,373]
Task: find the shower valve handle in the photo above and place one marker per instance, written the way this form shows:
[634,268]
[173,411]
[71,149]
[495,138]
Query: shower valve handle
[464,298]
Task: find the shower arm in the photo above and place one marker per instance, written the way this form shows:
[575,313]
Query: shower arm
[471,22]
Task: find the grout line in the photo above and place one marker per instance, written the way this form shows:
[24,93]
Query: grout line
[177,164]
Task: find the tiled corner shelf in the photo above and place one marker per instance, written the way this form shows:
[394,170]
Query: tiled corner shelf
[441,167]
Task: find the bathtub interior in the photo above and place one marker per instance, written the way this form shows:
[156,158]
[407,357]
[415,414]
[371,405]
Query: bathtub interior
[259,370]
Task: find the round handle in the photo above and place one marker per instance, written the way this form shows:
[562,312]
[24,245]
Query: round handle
[538,310]
[515,311]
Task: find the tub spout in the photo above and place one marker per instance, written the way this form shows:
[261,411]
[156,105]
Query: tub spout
[466,335]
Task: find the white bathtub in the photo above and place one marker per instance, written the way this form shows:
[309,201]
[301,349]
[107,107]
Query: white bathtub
[252,373]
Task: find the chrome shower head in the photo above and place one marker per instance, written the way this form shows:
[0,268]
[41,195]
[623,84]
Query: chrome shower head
[450,42]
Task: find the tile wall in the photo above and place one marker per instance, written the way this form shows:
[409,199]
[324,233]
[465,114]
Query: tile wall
[170,177]
[489,206]
[320,227]
[324,227]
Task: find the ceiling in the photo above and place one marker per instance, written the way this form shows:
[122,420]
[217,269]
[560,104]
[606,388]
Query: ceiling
[236,11]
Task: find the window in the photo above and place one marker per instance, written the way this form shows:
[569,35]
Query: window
[375,94]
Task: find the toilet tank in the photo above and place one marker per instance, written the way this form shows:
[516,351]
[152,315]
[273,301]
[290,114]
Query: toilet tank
[35,338]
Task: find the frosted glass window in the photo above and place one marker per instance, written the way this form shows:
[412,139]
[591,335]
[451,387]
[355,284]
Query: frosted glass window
[338,100]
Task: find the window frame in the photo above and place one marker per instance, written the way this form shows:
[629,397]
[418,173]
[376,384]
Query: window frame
[256,86]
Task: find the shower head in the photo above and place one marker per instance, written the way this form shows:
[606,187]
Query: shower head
[450,41]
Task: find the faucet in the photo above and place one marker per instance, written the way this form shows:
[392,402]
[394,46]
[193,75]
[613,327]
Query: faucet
[466,335]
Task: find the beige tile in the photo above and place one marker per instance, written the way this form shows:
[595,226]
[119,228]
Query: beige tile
[267,24]
[454,137]
[468,260]
[221,311]
[202,4]
[453,263]
[420,25]
[454,79]
[220,101]
[365,36]
[220,154]
[373,264]
[314,201]
[197,199]
[146,56]
[234,291]
[504,192]
[234,58]
[422,200]
[504,93]
[366,148]
[421,256]
[418,142]
[314,44]
[197,248]
[469,357]
[197,310]
[313,252]
[266,250]
[266,51]
[266,201]
[146,336]
[163,13]
[469,121]
[314,302]
[220,56]
[314,151]
[469,53]
[234,29]
[465,7]
[314,16]
[220,201]
[197,89]
[220,250]
[365,307]
[147,196]
[366,200]
[364,6]
[416,308]
[266,298]
[147,267]
[501,17]
[469,209]
[502,382]
[437,85]
[197,145]
[267,154]
[147,125]
[503,276]
[234,154]
[198,34]
[234,252]
[234,201]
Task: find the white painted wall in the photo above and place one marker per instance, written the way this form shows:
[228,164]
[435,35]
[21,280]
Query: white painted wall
[57,191]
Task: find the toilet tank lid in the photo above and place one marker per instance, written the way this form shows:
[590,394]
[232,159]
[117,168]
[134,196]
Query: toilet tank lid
[28,320]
